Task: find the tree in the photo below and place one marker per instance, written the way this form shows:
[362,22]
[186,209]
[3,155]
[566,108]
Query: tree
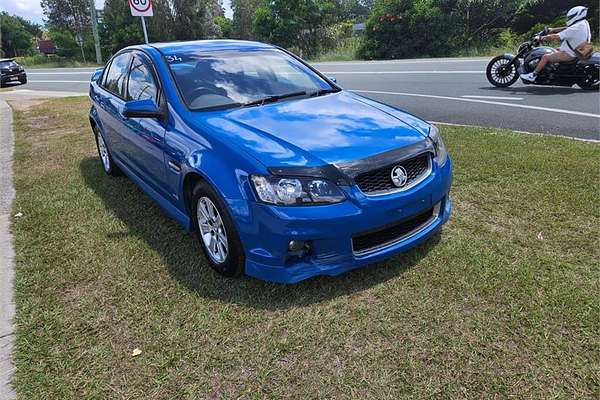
[65,43]
[120,29]
[296,24]
[70,15]
[193,19]
[544,11]
[16,38]
[243,15]
[160,26]
[225,27]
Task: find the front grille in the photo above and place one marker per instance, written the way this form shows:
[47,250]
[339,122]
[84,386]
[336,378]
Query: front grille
[382,237]
[379,181]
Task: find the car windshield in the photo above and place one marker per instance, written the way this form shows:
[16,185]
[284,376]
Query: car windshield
[7,64]
[221,79]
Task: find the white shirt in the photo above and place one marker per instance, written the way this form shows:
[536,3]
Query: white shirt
[576,34]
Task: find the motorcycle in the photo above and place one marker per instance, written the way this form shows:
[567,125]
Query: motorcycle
[504,70]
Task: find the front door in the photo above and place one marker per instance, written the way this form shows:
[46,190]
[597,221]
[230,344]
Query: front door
[144,138]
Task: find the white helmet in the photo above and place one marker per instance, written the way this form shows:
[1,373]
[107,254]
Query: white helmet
[576,14]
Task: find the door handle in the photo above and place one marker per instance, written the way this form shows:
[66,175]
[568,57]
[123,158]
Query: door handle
[174,166]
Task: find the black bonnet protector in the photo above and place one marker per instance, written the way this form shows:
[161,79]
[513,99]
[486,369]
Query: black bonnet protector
[343,174]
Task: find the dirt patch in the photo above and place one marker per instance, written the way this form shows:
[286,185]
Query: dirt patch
[23,103]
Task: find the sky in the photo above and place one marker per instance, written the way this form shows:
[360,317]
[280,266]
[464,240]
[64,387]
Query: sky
[31,9]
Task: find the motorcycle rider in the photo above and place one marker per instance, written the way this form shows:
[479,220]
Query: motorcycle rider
[575,33]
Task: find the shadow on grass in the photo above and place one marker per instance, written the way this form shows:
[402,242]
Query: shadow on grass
[181,253]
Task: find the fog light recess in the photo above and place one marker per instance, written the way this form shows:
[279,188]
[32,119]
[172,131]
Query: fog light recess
[297,245]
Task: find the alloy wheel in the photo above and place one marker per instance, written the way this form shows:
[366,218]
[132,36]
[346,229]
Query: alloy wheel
[502,72]
[103,150]
[212,230]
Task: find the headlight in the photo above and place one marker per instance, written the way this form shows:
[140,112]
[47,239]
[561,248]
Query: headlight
[441,155]
[295,190]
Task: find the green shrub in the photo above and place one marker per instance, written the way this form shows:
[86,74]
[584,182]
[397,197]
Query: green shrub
[403,28]
[345,50]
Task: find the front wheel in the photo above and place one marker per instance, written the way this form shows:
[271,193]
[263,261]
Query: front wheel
[216,232]
[499,73]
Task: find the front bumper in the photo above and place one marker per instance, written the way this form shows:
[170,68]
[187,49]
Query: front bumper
[13,77]
[329,229]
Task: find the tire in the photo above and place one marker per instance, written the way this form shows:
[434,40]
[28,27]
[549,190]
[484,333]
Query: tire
[593,79]
[498,77]
[23,81]
[106,160]
[231,262]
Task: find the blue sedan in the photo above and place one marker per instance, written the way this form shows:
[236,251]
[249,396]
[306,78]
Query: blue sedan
[281,173]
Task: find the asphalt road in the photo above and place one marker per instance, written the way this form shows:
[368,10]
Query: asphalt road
[443,90]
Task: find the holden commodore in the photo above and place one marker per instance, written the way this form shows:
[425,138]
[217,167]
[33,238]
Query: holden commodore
[282,174]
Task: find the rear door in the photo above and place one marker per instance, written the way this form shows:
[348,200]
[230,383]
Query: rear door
[144,138]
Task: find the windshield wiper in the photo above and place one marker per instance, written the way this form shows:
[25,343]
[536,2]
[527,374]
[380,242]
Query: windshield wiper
[273,98]
[322,92]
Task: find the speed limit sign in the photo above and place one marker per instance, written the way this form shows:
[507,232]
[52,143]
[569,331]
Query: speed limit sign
[141,8]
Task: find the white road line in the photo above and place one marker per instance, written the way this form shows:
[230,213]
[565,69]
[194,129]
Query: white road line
[89,73]
[384,62]
[398,72]
[42,81]
[497,103]
[491,97]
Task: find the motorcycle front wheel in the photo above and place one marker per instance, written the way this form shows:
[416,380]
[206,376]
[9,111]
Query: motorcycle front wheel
[499,73]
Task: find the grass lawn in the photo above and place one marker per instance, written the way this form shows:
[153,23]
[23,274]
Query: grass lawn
[505,302]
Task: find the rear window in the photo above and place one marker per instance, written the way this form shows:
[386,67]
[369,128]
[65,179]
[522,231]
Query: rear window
[116,77]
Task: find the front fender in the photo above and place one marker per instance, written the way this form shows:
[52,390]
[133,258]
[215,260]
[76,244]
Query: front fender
[514,58]
[231,183]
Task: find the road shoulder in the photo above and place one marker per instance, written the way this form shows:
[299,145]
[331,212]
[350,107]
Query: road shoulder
[7,305]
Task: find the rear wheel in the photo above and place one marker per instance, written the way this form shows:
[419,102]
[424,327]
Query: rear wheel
[499,73]
[592,79]
[216,232]
[106,160]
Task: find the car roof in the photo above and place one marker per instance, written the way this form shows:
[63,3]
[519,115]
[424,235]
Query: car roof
[206,45]
[6,59]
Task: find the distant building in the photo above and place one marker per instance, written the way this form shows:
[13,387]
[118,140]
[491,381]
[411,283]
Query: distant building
[46,47]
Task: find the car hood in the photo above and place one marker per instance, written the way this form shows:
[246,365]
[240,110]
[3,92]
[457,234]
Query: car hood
[331,129]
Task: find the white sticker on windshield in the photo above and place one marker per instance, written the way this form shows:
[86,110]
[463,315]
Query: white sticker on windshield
[173,59]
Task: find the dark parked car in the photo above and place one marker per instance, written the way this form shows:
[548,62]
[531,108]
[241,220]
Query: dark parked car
[11,72]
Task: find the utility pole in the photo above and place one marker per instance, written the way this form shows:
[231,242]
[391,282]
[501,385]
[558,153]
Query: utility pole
[95,31]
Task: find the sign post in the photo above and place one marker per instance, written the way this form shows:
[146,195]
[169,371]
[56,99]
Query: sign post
[141,8]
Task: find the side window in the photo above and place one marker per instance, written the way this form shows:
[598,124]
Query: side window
[116,76]
[105,75]
[141,82]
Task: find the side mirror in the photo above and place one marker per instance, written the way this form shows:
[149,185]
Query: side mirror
[142,109]
[332,79]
